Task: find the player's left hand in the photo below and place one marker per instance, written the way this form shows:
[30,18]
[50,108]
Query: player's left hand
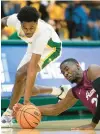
[85,127]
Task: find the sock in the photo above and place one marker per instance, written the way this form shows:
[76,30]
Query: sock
[56,91]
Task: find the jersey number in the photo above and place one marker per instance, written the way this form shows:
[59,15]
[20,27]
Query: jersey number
[94,100]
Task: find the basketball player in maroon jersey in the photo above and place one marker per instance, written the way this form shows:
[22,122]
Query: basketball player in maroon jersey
[87,90]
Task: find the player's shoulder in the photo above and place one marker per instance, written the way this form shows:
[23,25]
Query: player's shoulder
[93,71]
[93,67]
[13,15]
[12,20]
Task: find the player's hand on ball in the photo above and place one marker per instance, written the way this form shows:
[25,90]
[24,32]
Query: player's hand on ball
[16,107]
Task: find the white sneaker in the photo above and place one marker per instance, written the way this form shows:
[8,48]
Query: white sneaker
[64,89]
[7,121]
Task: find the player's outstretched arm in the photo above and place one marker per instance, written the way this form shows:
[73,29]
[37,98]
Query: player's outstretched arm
[56,109]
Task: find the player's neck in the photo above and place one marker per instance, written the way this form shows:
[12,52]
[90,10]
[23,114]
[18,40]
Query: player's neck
[80,77]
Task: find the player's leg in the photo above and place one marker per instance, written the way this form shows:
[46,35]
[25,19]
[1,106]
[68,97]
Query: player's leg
[50,56]
[38,89]
[19,82]
[56,91]
[17,91]
[46,59]
[59,92]
[16,94]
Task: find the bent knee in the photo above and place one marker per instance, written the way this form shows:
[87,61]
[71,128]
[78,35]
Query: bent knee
[20,75]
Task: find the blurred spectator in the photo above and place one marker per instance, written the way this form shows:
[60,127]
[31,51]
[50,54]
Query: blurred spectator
[71,19]
[76,18]
[41,7]
[44,13]
[53,24]
[94,24]
[56,10]
[2,10]
[20,3]
[7,31]
[4,35]
[9,8]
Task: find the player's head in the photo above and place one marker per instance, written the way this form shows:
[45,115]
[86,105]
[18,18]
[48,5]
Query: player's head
[71,70]
[28,16]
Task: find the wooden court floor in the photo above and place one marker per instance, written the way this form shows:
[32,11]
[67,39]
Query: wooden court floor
[53,127]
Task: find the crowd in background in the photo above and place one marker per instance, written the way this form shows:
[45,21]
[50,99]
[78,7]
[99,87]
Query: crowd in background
[71,19]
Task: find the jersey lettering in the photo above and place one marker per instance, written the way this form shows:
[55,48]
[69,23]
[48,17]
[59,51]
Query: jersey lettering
[89,94]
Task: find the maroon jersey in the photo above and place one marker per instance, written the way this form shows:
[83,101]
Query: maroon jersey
[85,93]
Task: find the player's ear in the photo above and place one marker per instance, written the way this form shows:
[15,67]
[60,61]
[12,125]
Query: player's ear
[78,66]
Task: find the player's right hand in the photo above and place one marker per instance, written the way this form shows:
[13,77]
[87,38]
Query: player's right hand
[16,107]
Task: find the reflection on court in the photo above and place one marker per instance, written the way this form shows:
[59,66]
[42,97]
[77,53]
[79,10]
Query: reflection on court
[39,131]
[53,127]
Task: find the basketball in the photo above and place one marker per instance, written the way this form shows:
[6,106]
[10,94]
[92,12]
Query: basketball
[28,116]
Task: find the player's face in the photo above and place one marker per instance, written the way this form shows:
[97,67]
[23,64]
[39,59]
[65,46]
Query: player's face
[29,28]
[70,71]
